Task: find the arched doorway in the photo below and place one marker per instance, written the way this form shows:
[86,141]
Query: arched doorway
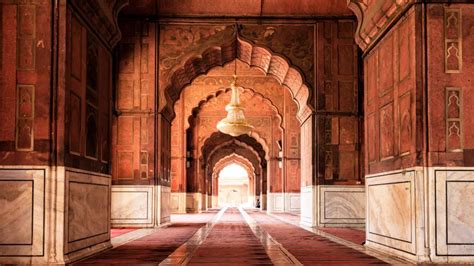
[233,186]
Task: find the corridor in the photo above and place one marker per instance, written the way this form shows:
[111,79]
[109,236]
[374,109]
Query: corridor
[234,236]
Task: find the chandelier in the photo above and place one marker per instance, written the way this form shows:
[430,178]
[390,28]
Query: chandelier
[234,123]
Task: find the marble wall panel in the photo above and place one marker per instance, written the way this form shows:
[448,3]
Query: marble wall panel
[165,201]
[342,206]
[308,205]
[87,209]
[275,202]
[454,212]
[178,202]
[391,210]
[292,202]
[132,205]
[22,212]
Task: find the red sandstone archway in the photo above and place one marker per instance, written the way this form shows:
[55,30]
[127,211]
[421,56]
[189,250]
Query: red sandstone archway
[224,162]
[270,63]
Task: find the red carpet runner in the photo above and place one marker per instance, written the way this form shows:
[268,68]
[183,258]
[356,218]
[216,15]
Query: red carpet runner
[309,248]
[152,248]
[231,242]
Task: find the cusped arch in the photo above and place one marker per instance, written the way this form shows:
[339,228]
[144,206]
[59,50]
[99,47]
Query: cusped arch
[233,158]
[216,139]
[277,66]
[202,103]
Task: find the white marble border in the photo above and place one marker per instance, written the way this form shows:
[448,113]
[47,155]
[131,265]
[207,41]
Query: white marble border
[390,243]
[443,250]
[38,177]
[349,221]
[85,178]
[135,221]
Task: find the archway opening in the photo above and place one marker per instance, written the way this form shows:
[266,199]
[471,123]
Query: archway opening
[233,186]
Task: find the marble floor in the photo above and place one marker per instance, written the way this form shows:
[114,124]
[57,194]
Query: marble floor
[234,236]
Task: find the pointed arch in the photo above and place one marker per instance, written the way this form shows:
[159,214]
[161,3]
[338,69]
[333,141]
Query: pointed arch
[270,63]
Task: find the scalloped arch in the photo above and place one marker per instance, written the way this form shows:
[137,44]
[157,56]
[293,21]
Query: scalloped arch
[270,63]
[217,138]
[233,158]
[202,103]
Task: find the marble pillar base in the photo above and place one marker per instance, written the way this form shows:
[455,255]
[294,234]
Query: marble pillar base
[341,206]
[204,202]
[422,214]
[292,202]
[308,211]
[52,215]
[275,202]
[133,206]
[263,202]
[164,202]
[178,202]
[214,202]
[194,202]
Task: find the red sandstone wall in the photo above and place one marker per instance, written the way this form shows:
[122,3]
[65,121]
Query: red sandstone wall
[25,79]
[88,99]
[338,106]
[133,124]
[392,100]
[450,94]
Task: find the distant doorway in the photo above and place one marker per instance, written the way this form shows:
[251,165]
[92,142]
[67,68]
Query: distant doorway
[233,186]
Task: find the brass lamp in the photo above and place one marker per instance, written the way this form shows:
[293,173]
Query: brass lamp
[234,123]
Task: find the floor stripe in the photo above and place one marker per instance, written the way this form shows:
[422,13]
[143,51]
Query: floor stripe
[277,253]
[386,258]
[183,254]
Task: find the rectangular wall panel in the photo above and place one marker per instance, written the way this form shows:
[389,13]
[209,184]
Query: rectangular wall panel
[454,211]
[391,210]
[87,209]
[132,206]
[342,206]
[22,212]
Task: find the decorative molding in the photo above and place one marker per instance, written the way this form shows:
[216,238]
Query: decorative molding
[454,129]
[453,40]
[102,17]
[25,116]
[374,18]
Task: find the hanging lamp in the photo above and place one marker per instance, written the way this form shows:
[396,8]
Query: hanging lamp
[234,123]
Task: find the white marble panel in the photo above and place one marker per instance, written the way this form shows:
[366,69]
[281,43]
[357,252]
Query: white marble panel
[454,213]
[391,211]
[132,205]
[308,209]
[87,209]
[275,202]
[292,202]
[165,201]
[193,202]
[22,211]
[178,202]
[16,201]
[342,206]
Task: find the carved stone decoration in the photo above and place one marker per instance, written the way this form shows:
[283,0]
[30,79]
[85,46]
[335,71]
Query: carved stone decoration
[251,54]
[373,17]
[452,40]
[386,131]
[144,165]
[102,16]
[25,115]
[454,134]
[26,37]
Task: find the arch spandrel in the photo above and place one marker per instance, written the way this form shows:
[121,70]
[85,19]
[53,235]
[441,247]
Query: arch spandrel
[272,64]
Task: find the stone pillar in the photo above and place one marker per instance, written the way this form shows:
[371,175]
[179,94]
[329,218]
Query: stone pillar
[419,159]
[309,190]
